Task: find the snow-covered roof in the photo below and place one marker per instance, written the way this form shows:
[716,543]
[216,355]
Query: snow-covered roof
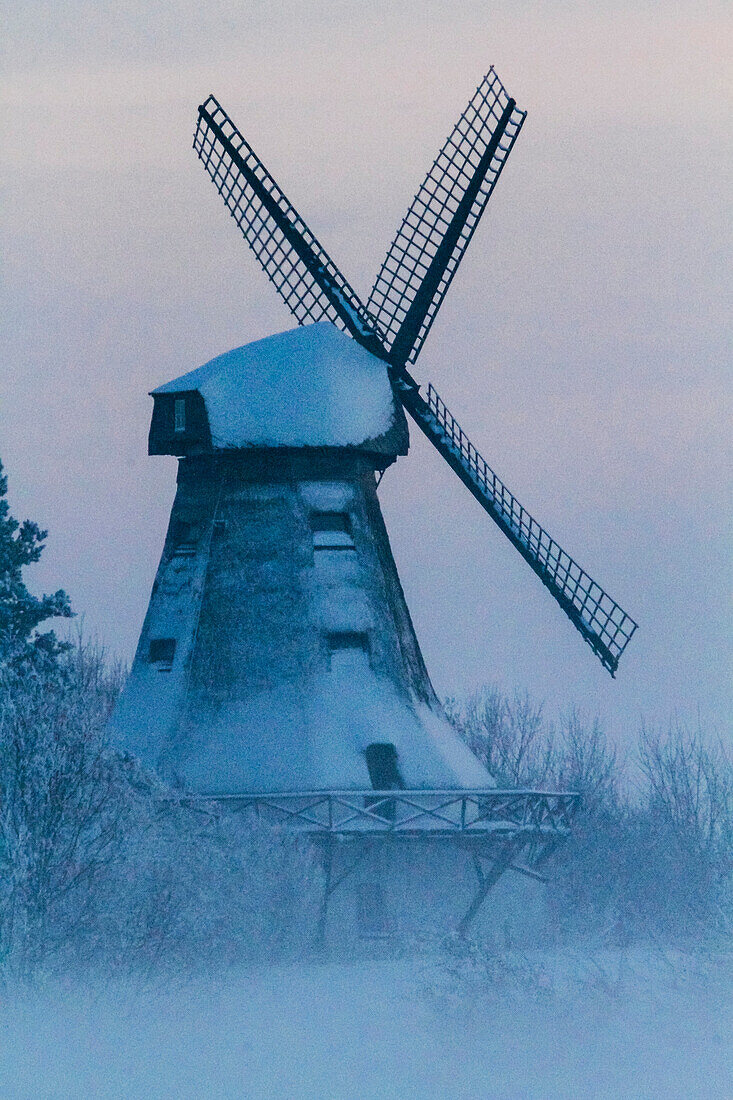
[312,386]
[304,736]
[313,736]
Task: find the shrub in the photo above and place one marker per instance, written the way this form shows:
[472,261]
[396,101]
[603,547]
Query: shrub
[102,864]
[508,735]
[650,852]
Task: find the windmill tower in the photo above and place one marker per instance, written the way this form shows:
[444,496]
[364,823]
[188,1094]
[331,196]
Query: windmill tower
[278,665]
[278,653]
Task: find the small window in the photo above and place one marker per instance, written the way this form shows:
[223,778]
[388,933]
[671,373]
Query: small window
[162,652]
[348,639]
[332,531]
[183,536]
[179,414]
[349,652]
[373,919]
[220,526]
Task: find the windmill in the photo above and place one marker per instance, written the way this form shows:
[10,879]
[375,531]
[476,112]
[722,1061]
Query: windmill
[293,679]
[404,301]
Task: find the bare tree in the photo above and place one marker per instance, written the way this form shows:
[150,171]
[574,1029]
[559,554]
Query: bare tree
[585,762]
[650,860]
[508,735]
[690,785]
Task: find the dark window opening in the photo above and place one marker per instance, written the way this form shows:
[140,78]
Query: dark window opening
[332,531]
[348,649]
[348,639]
[384,775]
[381,758]
[179,414]
[372,916]
[220,527]
[162,652]
[331,521]
[184,539]
[348,654]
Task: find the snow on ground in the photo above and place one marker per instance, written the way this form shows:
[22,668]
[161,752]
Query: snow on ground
[371,1030]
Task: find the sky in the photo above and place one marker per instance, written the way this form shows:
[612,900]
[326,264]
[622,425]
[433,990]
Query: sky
[583,344]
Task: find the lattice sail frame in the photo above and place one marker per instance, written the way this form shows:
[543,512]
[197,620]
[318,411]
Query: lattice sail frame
[422,261]
[602,622]
[295,262]
[436,231]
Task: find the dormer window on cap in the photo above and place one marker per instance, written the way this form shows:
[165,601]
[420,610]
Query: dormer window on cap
[312,388]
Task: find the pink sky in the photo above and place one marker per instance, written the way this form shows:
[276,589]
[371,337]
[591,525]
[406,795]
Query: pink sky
[583,344]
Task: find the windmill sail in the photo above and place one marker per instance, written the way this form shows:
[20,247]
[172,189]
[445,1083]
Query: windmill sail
[300,269]
[437,228]
[403,303]
[602,622]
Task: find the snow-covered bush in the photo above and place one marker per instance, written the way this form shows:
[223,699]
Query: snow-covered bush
[61,808]
[469,973]
[102,864]
[650,857]
[579,984]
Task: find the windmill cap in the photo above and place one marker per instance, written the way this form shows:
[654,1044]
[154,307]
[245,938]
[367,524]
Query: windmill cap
[311,386]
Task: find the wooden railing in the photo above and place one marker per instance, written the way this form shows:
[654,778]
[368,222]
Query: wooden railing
[417,812]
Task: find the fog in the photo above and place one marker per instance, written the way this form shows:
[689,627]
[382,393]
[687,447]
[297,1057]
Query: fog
[156,944]
[372,1031]
[151,950]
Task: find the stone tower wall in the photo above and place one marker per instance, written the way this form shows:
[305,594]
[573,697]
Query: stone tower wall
[290,659]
